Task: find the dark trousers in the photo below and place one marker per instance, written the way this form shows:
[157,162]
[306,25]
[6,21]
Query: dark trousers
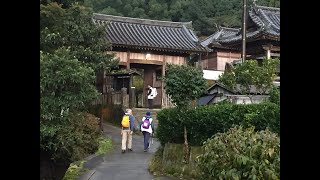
[150,103]
[146,137]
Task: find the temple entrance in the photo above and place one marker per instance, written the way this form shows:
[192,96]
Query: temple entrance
[150,75]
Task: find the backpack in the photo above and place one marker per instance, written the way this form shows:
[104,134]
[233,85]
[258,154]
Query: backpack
[155,93]
[146,123]
[125,121]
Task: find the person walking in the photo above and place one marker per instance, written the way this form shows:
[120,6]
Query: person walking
[127,129]
[147,128]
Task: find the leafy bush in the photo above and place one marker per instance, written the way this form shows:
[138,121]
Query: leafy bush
[205,121]
[78,139]
[170,128]
[241,154]
[275,95]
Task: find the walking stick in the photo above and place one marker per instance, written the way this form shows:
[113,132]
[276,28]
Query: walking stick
[152,138]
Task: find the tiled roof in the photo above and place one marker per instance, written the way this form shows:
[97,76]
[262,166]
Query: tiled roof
[266,21]
[222,33]
[267,18]
[204,100]
[150,34]
[220,85]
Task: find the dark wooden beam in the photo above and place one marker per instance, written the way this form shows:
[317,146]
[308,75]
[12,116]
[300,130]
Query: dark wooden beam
[139,61]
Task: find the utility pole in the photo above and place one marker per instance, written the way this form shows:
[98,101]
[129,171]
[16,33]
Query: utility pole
[244,29]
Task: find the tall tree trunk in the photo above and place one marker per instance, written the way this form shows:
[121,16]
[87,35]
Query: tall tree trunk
[251,98]
[102,99]
[186,146]
[101,118]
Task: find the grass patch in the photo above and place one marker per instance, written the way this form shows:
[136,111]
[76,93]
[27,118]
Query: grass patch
[155,165]
[105,145]
[168,160]
[76,169]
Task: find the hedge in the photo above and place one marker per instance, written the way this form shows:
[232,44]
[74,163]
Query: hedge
[241,154]
[205,121]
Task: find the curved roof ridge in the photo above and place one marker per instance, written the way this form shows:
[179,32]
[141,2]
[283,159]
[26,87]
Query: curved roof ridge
[190,34]
[268,8]
[106,17]
[231,29]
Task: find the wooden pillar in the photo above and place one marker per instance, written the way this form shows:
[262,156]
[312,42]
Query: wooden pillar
[131,93]
[124,100]
[110,93]
[102,99]
[132,97]
[267,49]
[268,54]
[163,95]
[128,60]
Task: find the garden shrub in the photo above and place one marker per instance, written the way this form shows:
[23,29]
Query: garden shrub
[79,139]
[170,128]
[241,154]
[205,121]
[275,95]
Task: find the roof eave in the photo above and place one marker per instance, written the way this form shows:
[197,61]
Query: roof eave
[160,48]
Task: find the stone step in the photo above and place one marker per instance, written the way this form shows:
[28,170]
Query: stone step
[139,113]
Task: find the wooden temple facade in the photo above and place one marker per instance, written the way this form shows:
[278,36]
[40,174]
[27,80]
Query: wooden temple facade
[262,39]
[148,45]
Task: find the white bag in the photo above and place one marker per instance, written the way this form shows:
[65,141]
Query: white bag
[155,93]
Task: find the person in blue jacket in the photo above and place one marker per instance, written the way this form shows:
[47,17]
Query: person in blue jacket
[147,128]
[126,132]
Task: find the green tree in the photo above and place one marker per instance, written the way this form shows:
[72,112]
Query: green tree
[63,3]
[74,28]
[72,53]
[66,87]
[275,95]
[242,77]
[184,84]
[267,74]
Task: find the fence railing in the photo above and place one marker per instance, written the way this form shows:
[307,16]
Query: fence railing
[122,98]
[167,101]
[112,97]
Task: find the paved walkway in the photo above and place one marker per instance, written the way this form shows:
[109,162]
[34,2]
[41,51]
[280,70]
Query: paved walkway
[118,166]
